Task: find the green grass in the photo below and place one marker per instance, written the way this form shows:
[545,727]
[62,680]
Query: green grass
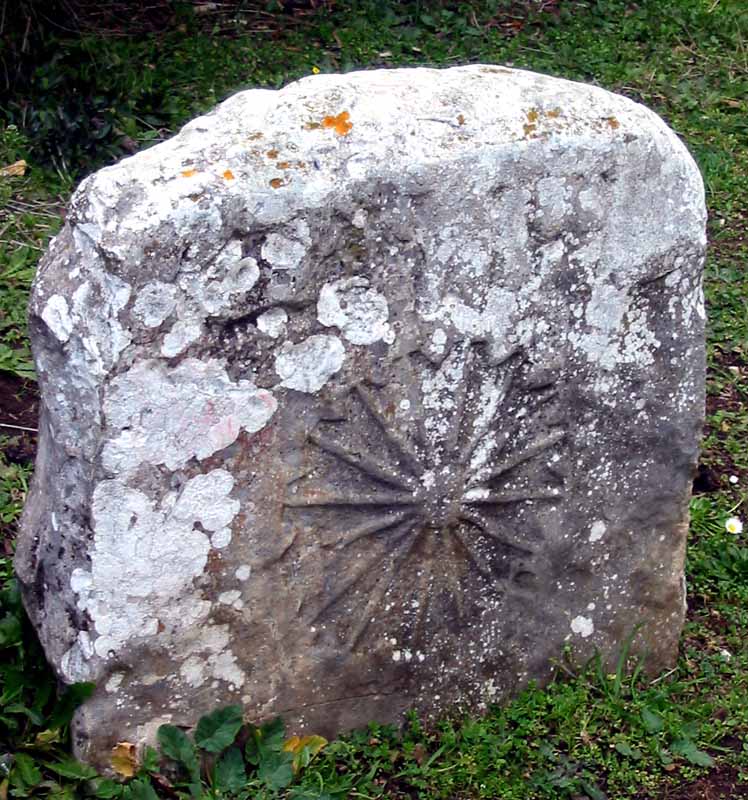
[587,734]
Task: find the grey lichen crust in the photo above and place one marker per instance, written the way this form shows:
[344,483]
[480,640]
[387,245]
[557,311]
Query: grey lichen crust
[366,394]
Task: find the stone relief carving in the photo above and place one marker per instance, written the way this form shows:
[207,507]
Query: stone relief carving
[396,490]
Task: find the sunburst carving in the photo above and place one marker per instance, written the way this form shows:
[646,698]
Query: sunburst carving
[429,486]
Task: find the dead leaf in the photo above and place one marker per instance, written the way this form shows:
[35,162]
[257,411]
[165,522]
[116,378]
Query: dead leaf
[124,759]
[301,746]
[14,170]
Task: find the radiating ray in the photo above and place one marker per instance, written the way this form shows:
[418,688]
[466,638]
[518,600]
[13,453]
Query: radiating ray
[404,548]
[543,397]
[324,501]
[453,586]
[489,498]
[351,582]
[379,525]
[453,438]
[361,462]
[395,441]
[423,596]
[483,429]
[486,531]
[515,459]
[472,555]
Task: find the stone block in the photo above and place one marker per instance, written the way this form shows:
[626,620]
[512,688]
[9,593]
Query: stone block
[368,394]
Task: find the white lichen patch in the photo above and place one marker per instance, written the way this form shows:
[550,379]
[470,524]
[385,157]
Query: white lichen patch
[359,311]
[159,415]
[155,302]
[57,317]
[582,626]
[308,365]
[286,251]
[96,306]
[209,657]
[221,538]
[597,531]
[145,557]
[182,334]
[273,322]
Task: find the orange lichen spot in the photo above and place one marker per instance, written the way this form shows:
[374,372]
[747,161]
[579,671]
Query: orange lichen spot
[339,123]
[613,122]
[228,175]
[256,135]
[528,129]
[188,173]
[272,153]
[276,183]
[460,119]
[554,113]
[532,115]
[283,165]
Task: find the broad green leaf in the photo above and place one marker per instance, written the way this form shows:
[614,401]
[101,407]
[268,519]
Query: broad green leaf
[267,738]
[276,770]
[626,750]
[70,768]
[653,723]
[593,792]
[27,769]
[150,759]
[10,630]
[108,789]
[65,708]
[217,731]
[689,751]
[18,708]
[176,746]
[141,789]
[230,774]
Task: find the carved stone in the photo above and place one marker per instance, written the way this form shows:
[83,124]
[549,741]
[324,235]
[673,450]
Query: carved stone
[369,394]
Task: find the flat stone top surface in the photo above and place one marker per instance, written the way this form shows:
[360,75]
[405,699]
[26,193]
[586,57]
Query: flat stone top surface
[367,393]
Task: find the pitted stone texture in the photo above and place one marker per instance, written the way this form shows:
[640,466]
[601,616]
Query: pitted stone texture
[367,394]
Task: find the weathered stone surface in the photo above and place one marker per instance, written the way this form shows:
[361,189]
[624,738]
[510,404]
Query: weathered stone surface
[366,394]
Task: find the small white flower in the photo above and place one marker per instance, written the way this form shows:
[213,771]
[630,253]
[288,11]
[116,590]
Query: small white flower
[733,479]
[734,525]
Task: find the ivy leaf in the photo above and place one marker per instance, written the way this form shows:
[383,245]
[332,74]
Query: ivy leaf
[276,770]
[216,731]
[141,789]
[70,768]
[176,746]
[150,759]
[692,754]
[231,774]
[653,723]
[68,702]
[267,738]
[108,789]
[626,750]
[25,768]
